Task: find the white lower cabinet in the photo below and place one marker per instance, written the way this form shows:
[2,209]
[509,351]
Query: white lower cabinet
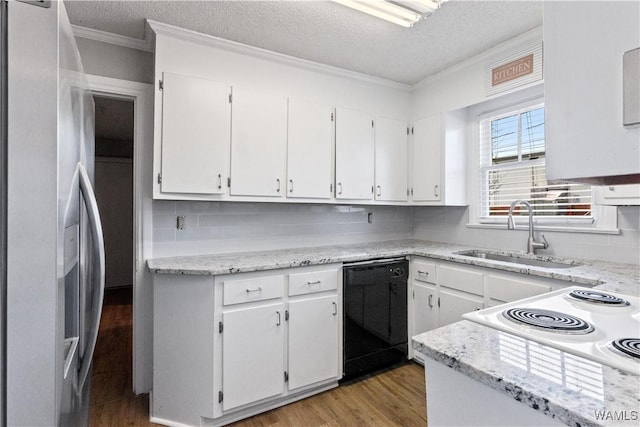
[313,340]
[425,307]
[444,291]
[453,304]
[278,338]
[252,354]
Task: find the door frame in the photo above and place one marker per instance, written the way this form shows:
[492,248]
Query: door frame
[142,96]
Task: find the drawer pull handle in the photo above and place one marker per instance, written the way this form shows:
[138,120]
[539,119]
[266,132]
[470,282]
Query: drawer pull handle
[426,273]
[258,289]
[430,301]
[335,308]
[316,282]
[279,319]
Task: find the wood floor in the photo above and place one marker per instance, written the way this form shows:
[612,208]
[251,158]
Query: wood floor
[395,397]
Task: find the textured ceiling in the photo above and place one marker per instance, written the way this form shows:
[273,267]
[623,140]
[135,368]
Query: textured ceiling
[327,32]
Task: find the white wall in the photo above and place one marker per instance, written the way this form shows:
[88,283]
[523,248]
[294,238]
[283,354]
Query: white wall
[215,227]
[117,62]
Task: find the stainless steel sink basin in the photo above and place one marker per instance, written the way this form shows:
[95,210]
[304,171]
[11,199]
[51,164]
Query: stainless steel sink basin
[536,261]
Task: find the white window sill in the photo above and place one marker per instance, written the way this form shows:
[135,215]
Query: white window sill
[542,227]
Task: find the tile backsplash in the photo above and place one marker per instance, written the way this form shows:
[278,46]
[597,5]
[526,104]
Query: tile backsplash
[215,227]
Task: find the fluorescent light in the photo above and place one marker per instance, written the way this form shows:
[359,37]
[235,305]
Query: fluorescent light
[384,10]
[401,12]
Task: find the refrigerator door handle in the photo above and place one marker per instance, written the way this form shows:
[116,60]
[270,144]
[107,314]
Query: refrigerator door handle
[95,227]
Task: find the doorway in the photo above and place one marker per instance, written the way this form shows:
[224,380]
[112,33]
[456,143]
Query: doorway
[114,133]
[112,377]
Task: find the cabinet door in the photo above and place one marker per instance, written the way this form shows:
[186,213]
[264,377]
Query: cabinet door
[391,160]
[309,150]
[252,354]
[426,159]
[259,143]
[354,155]
[313,340]
[425,308]
[453,305]
[196,124]
[583,109]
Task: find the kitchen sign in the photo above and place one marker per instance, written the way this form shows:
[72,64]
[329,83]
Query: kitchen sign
[512,70]
[520,67]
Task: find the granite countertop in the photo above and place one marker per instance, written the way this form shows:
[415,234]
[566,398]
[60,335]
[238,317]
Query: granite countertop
[486,355]
[623,278]
[469,348]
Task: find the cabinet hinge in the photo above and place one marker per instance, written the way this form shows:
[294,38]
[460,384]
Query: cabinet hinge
[159,178]
[220,327]
[286,315]
[286,377]
[331,116]
[229,182]
[160,84]
[220,396]
[230,98]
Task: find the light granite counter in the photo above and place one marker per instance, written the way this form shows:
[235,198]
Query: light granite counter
[557,390]
[466,347]
[623,278]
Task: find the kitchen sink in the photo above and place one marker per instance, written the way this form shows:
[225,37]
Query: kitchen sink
[536,261]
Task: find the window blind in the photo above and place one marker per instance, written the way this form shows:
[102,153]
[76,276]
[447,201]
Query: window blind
[512,167]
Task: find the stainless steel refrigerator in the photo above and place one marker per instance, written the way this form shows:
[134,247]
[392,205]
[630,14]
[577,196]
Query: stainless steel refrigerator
[53,260]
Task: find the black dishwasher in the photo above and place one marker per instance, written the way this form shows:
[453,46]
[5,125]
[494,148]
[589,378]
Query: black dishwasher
[375,315]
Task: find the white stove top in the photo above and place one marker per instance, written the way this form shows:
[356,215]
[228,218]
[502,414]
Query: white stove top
[590,326]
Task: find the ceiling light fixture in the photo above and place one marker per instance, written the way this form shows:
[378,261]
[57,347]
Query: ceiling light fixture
[405,13]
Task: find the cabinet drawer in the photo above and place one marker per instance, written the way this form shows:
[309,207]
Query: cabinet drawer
[255,289]
[508,289]
[314,281]
[424,271]
[461,279]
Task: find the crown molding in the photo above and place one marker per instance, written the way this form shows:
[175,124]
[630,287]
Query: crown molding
[114,39]
[256,52]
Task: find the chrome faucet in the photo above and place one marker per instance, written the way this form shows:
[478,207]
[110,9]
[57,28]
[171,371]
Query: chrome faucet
[532,245]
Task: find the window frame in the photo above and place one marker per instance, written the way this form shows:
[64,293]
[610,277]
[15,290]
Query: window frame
[603,219]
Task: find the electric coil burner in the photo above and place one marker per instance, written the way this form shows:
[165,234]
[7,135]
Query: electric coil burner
[596,297]
[552,321]
[628,346]
[596,325]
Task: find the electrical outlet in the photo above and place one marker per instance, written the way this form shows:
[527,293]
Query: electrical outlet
[181,222]
[370,217]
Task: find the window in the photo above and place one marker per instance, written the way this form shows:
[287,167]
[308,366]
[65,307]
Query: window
[512,167]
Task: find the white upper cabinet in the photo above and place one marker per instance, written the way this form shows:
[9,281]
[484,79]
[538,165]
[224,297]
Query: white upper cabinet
[354,155]
[426,159]
[196,125]
[438,159]
[259,144]
[309,150]
[391,160]
[584,44]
